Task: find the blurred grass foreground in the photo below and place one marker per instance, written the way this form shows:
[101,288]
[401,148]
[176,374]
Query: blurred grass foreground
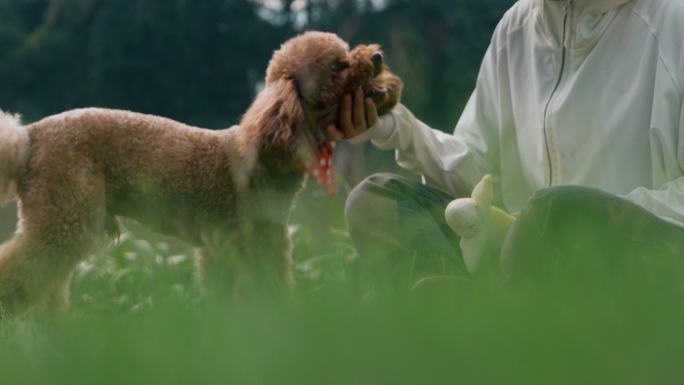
[138,318]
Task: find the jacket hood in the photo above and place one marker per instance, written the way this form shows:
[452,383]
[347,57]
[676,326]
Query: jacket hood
[589,20]
[589,6]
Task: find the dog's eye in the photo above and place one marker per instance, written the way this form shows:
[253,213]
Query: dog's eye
[377,62]
[340,66]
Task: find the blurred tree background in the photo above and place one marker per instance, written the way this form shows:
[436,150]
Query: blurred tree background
[201,61]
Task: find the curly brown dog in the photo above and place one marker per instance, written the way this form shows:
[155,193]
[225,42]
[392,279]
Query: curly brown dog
[228,192]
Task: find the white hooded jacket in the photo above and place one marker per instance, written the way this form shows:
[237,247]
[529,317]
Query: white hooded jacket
[583,92]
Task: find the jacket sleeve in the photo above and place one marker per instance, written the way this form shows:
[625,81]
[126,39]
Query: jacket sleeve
[667,201]
[450,162]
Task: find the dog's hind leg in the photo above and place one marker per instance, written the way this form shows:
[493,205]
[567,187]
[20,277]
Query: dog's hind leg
[58,227]
[31,276]
[35,273]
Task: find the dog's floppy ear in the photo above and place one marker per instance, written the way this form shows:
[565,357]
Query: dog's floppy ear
[277,120]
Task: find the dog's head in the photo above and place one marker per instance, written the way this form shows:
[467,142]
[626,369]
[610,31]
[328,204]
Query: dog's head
[323,69]
[305,82]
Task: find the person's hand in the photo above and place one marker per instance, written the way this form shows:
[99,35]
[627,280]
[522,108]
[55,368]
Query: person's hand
[357,114]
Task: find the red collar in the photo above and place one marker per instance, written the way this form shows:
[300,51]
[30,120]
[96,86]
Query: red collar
[321,168]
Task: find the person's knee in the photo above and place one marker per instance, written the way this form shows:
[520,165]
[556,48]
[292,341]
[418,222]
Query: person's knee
[566,205]
[371,196]
[572,231]
[399,223]
[554,198]
[552,221]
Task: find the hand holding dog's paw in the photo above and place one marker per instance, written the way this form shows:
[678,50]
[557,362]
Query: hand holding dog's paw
[357,114]
[363,107]
[481,226]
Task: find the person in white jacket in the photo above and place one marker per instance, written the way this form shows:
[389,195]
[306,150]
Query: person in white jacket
[578,116]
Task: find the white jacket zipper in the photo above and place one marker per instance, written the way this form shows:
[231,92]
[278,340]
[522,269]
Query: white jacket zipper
[549,159]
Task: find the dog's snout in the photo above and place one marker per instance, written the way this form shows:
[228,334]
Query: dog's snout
[377,61]
[377,57]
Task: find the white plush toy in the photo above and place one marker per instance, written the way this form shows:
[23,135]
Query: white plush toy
[481,226]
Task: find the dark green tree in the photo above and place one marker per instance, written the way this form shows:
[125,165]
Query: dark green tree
[201,61]
[189,60]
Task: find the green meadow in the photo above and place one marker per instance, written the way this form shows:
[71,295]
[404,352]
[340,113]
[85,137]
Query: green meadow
[138,318]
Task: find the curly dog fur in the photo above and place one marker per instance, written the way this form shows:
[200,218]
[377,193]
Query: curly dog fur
[228,192]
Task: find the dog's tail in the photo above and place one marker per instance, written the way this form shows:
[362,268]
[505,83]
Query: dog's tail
[14,152]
